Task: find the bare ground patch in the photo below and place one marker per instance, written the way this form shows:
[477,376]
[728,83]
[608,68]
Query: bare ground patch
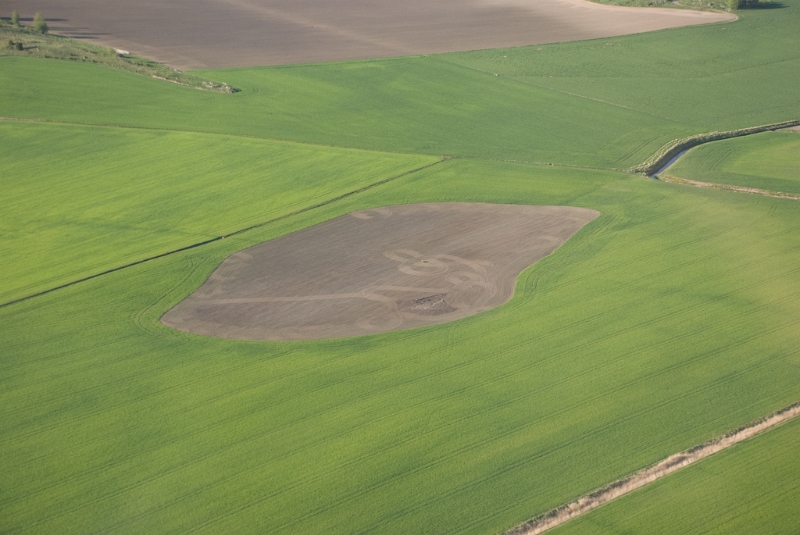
[193,34]
[644,477]
[377,270]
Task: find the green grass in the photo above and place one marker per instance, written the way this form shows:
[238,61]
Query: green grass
[717,77]
[79,200]
[751,488]
[604,103]
[421,105]
[668,320]
[768,161]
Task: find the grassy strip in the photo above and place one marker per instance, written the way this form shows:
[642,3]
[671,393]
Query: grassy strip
[675,147]
[648,475]
[24,41]
[703,5]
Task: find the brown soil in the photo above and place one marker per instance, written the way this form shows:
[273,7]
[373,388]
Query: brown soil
[378,270]
[239,33]
[669,465]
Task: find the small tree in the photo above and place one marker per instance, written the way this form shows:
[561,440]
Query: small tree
[15,18]
[39,23]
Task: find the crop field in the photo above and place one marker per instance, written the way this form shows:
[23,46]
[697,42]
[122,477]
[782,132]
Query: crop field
[769,161]
[754,488]
[78,200]
[192,34]
[670,318]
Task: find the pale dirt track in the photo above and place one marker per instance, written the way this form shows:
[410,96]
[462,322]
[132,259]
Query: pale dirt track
[378,270]
[241,33]
[638,480]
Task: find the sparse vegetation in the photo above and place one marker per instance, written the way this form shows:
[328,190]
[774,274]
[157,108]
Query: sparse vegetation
[15,18]
[39,23]
[29,42]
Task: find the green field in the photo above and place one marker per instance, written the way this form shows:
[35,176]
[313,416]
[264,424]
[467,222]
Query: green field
[769,161]
[79,200]
[668,320]
[752,488]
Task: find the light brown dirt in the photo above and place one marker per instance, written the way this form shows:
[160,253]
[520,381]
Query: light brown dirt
[378,270]
[193,34]
[669,465]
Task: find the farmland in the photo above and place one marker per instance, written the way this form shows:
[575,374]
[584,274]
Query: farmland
[752,488]
[766,161]
[247,33]
[65,219]
[670,318]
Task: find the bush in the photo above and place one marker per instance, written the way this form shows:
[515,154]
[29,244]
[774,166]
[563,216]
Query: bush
[18,46]
[15,18]
[39,23]
[111,52]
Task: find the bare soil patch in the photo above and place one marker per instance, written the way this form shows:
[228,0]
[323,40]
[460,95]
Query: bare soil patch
[377,270]
[193,34]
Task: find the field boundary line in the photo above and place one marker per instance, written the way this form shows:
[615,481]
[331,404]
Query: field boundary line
[652,473]
[728,187]
[223,236]
[663,157]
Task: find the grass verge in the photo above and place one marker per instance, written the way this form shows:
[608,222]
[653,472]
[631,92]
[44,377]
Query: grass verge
[23,41]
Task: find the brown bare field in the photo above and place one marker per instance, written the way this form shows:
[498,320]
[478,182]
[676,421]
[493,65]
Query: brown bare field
[242,33]
[377,270]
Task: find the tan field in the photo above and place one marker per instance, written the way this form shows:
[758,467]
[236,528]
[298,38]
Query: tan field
[378,270]
[240,33]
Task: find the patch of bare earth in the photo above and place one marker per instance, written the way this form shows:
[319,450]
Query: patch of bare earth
[727,187]
[377,270]
[638,480]
[193,34]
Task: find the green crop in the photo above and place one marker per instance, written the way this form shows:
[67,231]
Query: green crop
[767,161]
[668,320]
[752,488]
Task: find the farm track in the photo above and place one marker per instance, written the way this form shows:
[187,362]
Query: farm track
[222,237]
[728,187]
[671,464]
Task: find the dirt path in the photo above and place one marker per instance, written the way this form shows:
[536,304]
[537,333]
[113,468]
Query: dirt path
[727,187]
[644,477]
